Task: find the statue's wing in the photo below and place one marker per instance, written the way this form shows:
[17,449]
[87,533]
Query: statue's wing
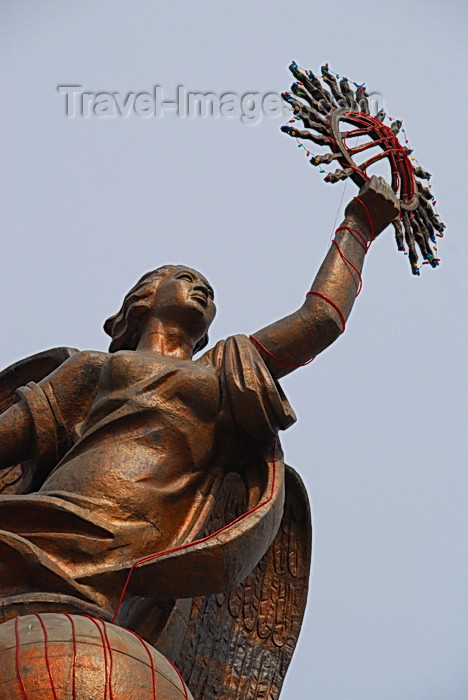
[30,369]
[239,644]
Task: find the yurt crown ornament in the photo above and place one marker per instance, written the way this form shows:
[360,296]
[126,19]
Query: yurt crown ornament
[327,108]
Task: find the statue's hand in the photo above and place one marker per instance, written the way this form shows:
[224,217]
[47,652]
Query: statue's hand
[381,203]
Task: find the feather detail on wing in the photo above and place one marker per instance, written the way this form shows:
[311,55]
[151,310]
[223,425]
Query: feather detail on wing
[30,369]
[239,644]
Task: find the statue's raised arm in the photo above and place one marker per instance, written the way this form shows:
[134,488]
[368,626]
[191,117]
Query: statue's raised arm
[295,339]
[338,117]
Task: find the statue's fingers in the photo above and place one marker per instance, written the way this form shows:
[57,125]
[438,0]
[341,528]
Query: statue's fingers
[398,233]
[314,87]
[348,94]
[319,139]
[330,80]
[410,242]
[361,99]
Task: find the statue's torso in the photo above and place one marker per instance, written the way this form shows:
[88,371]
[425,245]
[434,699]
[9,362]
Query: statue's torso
[144,441]
[147,442]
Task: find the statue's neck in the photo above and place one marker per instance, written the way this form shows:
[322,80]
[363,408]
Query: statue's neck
[171,341]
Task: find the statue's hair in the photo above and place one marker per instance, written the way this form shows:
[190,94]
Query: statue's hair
[126,326]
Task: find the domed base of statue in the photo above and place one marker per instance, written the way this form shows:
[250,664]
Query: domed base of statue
[79,657]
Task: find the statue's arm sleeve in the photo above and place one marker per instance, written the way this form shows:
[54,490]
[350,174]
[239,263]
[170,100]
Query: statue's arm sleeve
[15,435]
[56,405]
[254,402]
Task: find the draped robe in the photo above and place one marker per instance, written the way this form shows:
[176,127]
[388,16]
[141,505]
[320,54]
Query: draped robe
[131,448]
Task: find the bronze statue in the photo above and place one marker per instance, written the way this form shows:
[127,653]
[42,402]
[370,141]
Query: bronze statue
[143,489]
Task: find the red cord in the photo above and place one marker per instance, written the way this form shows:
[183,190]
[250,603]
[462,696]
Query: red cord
[282,362]
[332,303]
[181,679]
[364,146]
[343,256]
[46,652]
[365,243]
[104,636]
[106,670]
[371,224]
[200,541]
[150,656]
[111,663]
[393,146]
[74,655]
[18,667]
[345,259]
[389,152]
[360,172]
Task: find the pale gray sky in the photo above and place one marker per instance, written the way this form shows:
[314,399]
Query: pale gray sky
[90,204]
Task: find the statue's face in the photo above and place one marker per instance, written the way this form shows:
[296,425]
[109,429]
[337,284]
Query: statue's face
[185,296]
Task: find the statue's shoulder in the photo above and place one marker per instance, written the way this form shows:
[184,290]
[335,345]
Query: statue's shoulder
[36,367]
[88,358]
[216,355]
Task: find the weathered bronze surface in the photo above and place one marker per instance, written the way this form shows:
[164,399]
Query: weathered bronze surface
[111,457]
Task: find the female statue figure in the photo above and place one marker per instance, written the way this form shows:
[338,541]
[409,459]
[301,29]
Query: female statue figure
[124,452]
